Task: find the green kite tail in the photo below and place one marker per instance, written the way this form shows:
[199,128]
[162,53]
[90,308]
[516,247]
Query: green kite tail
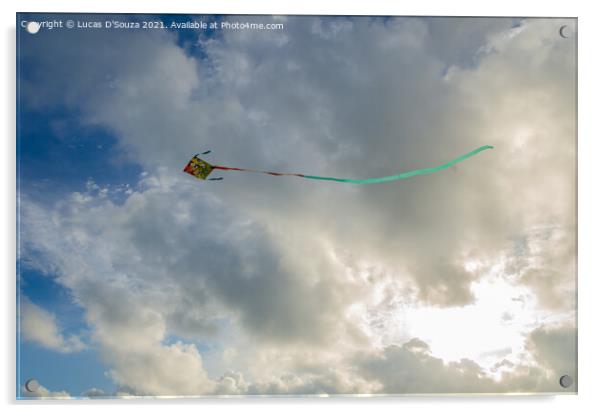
[403,175]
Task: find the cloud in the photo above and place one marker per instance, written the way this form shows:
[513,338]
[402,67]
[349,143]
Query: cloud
[311,120]
[133,297]
[39,326]
[282,270]
[411,368]
[94,392]
[43,393]
[555,349]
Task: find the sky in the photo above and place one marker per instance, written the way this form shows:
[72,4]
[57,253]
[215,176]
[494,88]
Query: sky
[138,280]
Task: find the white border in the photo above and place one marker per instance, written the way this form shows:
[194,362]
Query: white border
[589,196]
[384,7]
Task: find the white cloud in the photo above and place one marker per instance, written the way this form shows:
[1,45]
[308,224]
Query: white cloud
[43,393]
[39,326]
[94,392]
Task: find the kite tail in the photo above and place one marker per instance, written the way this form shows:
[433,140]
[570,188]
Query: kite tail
[404,175]
[383,179]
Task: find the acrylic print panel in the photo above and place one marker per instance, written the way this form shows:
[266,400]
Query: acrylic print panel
[295,205]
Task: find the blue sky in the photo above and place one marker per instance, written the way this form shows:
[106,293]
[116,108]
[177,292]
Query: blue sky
[133,275]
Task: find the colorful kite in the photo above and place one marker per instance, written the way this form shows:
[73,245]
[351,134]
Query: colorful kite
[202,169]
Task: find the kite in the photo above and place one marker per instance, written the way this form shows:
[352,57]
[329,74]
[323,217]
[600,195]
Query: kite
[201,169]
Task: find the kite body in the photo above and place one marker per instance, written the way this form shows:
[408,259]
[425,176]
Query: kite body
[201,169]
[198,168]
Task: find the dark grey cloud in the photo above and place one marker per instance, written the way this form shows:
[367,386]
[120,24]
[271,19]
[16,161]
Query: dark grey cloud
[555,349]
